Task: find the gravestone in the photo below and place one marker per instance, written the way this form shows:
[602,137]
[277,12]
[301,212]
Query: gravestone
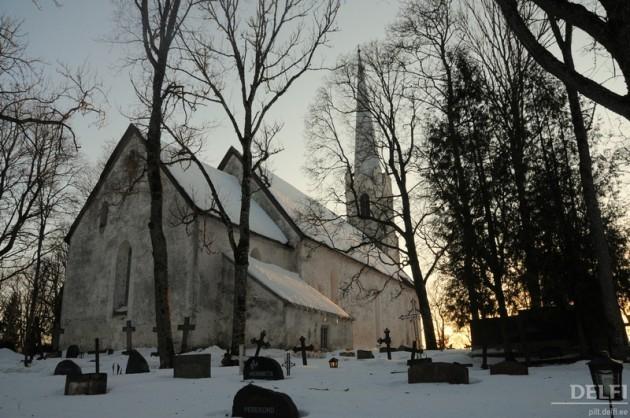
[256,402]
[263,368]
[66,367]
[86,384]
[388,341]
[364,354]
[288,363]
[89,383]
[136,363]
[347,354]
[511,368]
[192,366]
[303,348]
[72,351]
[438,373]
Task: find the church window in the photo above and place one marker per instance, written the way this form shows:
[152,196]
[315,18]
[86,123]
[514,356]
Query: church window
[123,273]
[364,206]
[323,337]
[132,165]
[102,218]
[255,253]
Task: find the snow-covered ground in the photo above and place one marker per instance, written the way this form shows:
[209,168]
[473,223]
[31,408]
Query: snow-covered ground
[358,388]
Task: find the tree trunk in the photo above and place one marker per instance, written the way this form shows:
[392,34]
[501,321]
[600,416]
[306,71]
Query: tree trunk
[241,255]
[618,339]
[158,241]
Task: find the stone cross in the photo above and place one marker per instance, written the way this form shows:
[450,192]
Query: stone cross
[96,355]
[260,342]
[288,364]
[303,348]
[387,340]
[186,327]
[128,329]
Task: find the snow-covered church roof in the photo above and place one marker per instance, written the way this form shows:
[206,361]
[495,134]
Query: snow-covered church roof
[190,178]
[291,287]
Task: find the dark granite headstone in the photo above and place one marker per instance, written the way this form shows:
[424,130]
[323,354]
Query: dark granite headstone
[263,368]
[438,373]
[66,367]
[347,354]
[228,361]
[511,368]
[72,351]
[86,384]
[192,366]
[255,402]
[136,363]
[364,354]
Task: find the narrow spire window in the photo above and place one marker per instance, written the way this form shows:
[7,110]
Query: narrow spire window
[364,206]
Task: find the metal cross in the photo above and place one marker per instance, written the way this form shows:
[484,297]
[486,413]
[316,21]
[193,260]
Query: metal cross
[288,364]
[387,340]
[260,342]
[303,348]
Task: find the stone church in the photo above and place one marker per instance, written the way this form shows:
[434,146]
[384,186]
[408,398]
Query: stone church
[303,278]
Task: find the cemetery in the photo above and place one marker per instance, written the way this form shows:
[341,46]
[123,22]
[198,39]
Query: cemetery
[287,383]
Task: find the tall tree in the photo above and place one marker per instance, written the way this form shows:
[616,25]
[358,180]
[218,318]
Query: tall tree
[161,23]
[267,46]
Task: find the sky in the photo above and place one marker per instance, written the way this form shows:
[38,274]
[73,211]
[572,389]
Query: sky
[75,32]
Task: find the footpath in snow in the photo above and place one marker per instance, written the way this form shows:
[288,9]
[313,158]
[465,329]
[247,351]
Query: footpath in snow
[358,388]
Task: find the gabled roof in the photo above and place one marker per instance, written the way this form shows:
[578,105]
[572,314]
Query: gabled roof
[311,219]
[290,287]
[188,180]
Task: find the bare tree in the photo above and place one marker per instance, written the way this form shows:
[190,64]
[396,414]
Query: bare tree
[161,22]
[605,22]
[28,103]
[267,48]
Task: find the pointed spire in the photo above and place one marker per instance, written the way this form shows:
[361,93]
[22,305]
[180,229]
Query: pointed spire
[365,155]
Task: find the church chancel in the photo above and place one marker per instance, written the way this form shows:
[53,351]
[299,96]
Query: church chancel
[300,274]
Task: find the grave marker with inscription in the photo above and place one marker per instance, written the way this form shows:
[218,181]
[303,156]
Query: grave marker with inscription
[263,368]
[256,402]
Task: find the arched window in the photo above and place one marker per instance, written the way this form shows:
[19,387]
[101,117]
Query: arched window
[255,253]
[364,206]
[123,273]
[102,216]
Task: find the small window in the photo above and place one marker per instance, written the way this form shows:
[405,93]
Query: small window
[323,337]
[132,164]
[102,218]
[122,279]
[255,253]
[364,206]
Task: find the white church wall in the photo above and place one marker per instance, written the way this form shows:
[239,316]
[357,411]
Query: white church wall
[88,310]
[322,268]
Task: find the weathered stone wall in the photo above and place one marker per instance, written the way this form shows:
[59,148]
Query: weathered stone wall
[329,272]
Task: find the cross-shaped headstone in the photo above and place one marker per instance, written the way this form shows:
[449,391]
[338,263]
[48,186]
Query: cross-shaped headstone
[387,340]
[260,342]
[303,348]
[128,329]
[186,327]
[287,363]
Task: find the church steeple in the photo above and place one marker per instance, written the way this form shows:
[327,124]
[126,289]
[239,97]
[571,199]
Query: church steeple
[368,190]
[365,152]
